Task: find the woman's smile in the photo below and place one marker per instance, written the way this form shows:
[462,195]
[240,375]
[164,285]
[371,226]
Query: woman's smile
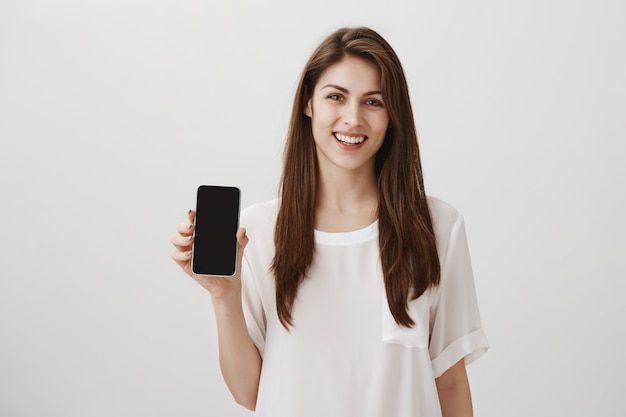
[349,139]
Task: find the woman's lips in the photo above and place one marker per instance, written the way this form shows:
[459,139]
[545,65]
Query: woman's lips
[349,139]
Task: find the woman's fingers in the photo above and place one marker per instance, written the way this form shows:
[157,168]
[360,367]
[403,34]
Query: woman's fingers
[185,229]
[182,242]
[181,257]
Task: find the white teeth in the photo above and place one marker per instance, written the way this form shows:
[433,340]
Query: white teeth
[349,139]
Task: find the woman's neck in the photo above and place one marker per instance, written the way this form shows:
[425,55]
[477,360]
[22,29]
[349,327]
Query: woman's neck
[346,201]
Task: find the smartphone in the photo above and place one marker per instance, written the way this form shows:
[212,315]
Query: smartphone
[215,241]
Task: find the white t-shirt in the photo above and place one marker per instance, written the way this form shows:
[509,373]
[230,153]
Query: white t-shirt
[345,355]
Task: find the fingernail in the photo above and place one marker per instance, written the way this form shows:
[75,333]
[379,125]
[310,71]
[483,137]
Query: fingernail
[188,227]
[188,239]
[188,253]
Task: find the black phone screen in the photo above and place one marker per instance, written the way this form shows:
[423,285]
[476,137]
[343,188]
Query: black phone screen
[215,240]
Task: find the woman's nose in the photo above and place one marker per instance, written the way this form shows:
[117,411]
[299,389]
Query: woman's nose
[353,114]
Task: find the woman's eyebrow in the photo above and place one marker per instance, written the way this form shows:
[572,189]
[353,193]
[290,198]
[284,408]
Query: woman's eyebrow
[345,90]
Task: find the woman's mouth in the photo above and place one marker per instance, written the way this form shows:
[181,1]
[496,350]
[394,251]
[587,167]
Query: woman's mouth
[349,139]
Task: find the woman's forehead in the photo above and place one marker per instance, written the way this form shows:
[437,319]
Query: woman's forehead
[357,75]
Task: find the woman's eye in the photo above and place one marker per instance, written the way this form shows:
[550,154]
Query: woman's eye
[335,97]
[373,102]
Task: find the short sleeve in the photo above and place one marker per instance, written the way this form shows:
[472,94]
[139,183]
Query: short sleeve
[455,327]
[253,311]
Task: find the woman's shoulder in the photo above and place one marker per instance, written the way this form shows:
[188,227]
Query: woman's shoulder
[442,210]
[445,218]
[260,214]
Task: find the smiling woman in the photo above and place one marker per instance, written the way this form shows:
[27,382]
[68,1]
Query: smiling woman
[354,287]
[347,115]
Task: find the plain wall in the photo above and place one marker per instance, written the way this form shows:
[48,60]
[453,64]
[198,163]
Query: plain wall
[112,112]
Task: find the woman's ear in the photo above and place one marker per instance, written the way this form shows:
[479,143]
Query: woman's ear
[308,111]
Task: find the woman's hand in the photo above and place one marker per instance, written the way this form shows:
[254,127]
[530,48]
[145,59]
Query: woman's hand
[219,287]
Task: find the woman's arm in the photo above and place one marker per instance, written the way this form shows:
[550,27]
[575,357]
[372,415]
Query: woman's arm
[240,361]
[454,392]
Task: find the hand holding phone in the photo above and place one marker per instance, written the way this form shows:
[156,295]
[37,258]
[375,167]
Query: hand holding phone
[216,223]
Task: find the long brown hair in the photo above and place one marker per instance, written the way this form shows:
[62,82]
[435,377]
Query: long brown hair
[408,251]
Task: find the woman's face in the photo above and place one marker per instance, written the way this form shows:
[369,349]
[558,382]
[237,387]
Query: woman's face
[348,115]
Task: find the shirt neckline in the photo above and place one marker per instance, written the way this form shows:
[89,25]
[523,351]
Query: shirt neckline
[346,238]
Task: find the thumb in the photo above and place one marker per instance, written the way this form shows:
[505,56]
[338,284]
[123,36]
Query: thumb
[242,241]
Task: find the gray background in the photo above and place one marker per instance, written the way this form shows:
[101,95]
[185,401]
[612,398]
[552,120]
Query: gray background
[112,112]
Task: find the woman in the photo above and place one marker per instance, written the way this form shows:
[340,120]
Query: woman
[355,294]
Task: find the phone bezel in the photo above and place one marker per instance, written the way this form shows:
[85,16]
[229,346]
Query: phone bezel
[236,249]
